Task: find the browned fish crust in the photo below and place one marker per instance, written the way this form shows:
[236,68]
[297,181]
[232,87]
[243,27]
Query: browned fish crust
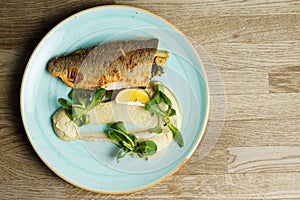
[127,63]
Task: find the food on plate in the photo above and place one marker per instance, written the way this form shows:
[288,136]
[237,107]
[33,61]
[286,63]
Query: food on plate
[144,129]
[113,65]
[133,97]
[112,88]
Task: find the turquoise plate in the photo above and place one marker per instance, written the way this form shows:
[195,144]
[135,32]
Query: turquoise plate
[90,165]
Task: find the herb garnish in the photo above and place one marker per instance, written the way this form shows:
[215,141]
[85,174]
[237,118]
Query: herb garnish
[128,142]
[153,107]
[82,101]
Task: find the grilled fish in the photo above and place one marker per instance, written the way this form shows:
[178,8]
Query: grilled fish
[114,65]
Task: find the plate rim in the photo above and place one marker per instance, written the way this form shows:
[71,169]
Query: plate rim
[167,175]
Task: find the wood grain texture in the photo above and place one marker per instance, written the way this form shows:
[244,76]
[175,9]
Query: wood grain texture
[263,159]
[248,68]
[284,79]
[239,29]
[226,186]
[258,55]
[23,25]
[219,8]
[263,106]
[264,132]
[33,189]
[255,48]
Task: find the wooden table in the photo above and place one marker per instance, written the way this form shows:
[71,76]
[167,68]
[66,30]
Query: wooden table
[256,48]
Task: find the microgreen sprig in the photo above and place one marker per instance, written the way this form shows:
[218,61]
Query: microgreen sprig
[128,142]
[153,106]
[82,101]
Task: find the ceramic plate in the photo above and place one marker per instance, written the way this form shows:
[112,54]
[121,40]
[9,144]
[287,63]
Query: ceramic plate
[90,165]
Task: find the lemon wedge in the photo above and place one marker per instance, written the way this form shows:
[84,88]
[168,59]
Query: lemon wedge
[136,97]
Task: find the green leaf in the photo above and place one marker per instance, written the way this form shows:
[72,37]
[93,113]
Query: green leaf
[114,136]
[82,120]
[118,126]
[65,103]
[179,139]
[81,97]
[154,108]
[157,99]
[82,102]
[166,99]
[127,144]
[86,98]
[77,111]
[70,95]
[156,129]
[171,112]
[176,134]
[121,154]
[146,148]
[133,139]
[159,88]
[127,140]
[99,94]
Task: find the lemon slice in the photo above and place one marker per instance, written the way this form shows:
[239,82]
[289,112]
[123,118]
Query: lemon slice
[136,97]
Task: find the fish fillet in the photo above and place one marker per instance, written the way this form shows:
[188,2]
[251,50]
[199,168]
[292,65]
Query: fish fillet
[113,65]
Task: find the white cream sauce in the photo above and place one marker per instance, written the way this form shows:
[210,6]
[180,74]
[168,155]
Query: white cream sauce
[137,121]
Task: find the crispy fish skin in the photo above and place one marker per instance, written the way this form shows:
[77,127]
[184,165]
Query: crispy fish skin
[112,65]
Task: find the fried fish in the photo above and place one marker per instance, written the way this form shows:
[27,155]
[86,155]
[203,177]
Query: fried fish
[113,65]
